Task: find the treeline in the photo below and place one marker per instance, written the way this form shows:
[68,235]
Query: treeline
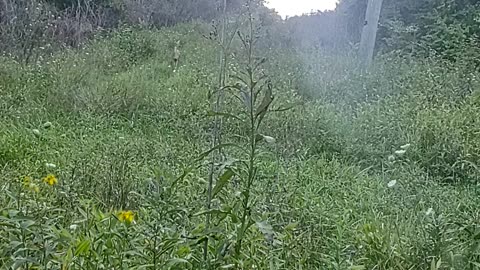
[417,28]
[420,28]
[30,28]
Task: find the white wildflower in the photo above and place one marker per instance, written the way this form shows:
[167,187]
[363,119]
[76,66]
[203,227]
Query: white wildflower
[36,132]
[406,146]
[392,183]
[47,125]
[400,152]
[50,165]
[269,139]
[429,211]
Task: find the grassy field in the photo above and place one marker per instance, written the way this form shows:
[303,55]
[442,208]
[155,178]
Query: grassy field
[367,171]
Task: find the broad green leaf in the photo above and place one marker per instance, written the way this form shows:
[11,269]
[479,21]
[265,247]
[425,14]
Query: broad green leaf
[27,223]
[266,102]
[222,182]
[15,244]
[83,247]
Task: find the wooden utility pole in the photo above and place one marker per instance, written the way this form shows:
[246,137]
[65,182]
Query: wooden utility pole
[369,33]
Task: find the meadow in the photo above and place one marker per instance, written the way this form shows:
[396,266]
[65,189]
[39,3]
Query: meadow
[104,160]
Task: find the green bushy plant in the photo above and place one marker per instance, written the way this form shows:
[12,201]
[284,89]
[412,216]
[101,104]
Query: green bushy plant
[325,194]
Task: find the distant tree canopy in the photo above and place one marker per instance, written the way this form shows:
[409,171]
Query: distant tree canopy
[153,12]
[27,25]
[63,4]
[447,28]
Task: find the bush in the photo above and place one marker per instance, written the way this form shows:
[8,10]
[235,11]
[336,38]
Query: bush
[427,103]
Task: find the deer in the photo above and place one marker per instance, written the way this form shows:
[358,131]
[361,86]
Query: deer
[176,55]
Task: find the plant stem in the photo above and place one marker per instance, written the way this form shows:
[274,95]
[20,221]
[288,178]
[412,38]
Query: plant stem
[216,131]
[245,218]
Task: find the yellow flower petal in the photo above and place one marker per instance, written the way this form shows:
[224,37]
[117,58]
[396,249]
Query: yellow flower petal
[50,180]
[126,216]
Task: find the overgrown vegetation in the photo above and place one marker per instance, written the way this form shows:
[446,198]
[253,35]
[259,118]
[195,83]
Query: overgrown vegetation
[104,153]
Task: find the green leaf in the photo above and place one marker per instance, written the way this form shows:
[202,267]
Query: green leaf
[141,267]
[357,267]
[291,226]
[222,182]
[211,211]
[15,244]
[259,63]
[27,223]
[266,102]
[217,147]
[234,218]
[83,248]
[4,224]
[258,138]
[183,251]
[181,177]
[177,261]
[476,264]
[287,107]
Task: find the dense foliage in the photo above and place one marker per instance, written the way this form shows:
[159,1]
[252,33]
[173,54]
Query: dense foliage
[446,28]
[106,155]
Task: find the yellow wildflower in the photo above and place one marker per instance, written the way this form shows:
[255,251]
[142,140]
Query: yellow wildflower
[35,188]
[28,184]
[27,180]
[50,179]
[126,216]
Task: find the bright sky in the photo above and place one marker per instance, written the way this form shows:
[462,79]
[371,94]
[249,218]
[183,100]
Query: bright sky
[298,7]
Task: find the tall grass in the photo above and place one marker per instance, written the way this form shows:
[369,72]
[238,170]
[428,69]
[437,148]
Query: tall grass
[124,126]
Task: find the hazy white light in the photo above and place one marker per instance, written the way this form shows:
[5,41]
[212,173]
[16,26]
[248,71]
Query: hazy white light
[299,7]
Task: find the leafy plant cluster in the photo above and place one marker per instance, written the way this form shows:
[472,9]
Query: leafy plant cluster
[318,166]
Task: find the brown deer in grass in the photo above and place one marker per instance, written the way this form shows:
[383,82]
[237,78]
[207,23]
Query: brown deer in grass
[176,55]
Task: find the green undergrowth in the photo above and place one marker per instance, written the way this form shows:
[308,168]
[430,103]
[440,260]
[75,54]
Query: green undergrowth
[368,171]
